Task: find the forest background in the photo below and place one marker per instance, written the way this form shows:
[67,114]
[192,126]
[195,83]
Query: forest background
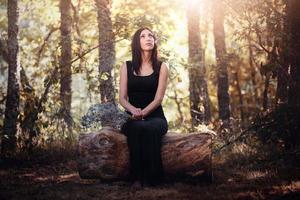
[234,68]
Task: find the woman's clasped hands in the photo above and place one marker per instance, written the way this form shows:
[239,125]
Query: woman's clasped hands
[137,114]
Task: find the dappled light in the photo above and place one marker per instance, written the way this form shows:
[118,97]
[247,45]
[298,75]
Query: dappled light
[219,103]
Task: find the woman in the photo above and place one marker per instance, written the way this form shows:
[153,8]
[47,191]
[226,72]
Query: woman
[143,83]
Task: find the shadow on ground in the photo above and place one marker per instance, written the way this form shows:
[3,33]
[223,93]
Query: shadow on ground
[61,181]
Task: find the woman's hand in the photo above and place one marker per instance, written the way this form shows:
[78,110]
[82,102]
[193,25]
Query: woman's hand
[137,113]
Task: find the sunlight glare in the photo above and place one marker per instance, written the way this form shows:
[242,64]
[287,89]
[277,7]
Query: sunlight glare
[193,2]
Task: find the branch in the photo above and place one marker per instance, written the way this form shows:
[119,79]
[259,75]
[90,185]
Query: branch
[76,17]
[88,51]
[3,100]
[43,98]
[260,40]
[3,49]
[241,136]
[44,44]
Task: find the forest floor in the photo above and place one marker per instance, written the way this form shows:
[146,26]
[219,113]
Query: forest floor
[60,180]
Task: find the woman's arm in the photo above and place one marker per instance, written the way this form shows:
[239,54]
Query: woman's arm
[123,95]
[160,92]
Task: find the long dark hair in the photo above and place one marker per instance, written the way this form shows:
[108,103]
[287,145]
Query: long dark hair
[137,52]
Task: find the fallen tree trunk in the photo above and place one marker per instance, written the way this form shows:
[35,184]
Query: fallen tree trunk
[104,155]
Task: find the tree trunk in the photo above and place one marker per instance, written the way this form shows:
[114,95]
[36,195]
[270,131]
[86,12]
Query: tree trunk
[253,75]
[106,51]
[222,75]
[199,103]
[65,61]
[266,89]
[241,100]
[13,94]
[28,122]
[293,27]
[282,83]
[104,154]
[293,16]
[179,106]
[283,69]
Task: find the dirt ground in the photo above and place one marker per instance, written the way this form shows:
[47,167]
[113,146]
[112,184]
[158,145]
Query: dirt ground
[61,181]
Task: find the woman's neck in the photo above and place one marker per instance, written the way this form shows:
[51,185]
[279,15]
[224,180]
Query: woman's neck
[146,57]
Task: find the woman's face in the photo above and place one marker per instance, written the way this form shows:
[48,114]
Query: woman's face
[147,40]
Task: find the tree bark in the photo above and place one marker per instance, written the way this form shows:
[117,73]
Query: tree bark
[241,99]
[13,94]
[293,16]
[106,51]
[65,61]
[28,121]
[293,28]
[222,74]
[283,69]
[266,89]
[199,103]
[282,83]
[104,154]
[253,76]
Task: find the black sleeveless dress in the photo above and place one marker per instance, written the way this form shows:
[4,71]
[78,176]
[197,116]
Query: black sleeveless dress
[144,136]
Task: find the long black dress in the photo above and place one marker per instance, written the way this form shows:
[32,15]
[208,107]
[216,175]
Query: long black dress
[144,136]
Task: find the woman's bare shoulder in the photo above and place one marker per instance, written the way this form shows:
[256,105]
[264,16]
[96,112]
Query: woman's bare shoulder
[164,67]
[124,65]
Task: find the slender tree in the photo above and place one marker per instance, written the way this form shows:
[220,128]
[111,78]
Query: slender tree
[272,55]
[283,68]
[282,79]
[12,98]
[222,74]
[253,75]
[199,104]
[266,89]
[241,98]
[65,60]
[106,50]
